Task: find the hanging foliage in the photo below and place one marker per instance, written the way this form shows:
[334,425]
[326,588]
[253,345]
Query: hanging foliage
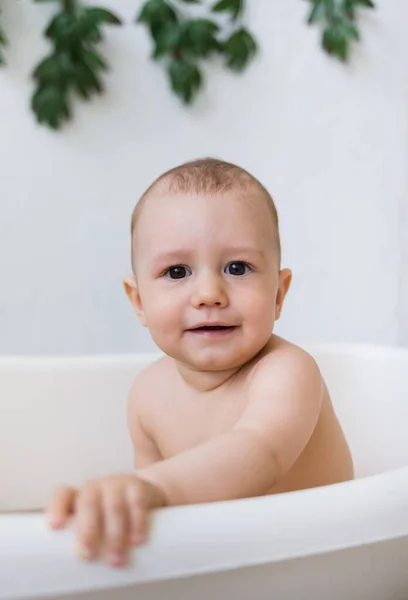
[338,21]
[181,42]
[74,65]
[3,42]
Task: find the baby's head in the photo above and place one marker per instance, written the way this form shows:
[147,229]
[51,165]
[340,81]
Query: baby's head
[206,262]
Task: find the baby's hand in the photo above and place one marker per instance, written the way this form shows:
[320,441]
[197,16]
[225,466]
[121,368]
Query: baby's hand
[111,513]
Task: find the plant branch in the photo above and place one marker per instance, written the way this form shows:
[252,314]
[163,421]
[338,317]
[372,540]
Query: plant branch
[74,65]
[3,43]
[69,5]
[337,19]
[183,42]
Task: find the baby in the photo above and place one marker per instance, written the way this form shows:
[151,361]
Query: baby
[231,411]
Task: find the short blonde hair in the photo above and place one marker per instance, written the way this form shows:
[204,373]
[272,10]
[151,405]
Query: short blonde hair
[206,176]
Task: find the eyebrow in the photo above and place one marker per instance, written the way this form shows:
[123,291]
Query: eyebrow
[184,254]
[245,249]
[165,258]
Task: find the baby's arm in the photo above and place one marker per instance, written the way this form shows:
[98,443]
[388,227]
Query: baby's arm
[285,397]
[284,405]
[115,507]
[146,451]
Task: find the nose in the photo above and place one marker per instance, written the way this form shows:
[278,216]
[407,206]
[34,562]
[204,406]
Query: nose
[209,290]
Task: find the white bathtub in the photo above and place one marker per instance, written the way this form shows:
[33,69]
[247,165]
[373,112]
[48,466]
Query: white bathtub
[63,420]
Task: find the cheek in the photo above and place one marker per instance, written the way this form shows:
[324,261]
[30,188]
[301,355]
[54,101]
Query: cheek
[260,319]
[258,299]
[162,307]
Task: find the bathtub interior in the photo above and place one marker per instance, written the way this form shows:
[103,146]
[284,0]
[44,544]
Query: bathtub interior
[63,420]
[369,388]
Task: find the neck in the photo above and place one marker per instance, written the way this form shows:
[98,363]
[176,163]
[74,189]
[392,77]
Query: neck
[205,381]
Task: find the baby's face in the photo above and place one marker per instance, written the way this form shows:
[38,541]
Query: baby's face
[208,282]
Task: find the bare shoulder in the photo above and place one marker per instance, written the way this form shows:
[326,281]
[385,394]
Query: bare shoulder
[147,386]
[286,366]
[279,352]
[285,399]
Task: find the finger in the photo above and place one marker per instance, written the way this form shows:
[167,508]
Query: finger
[61,507]
[116,524]
[89,522]
[138,515]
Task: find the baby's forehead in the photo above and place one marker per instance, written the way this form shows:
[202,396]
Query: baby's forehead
[168,194]
[203,223]
[170,202]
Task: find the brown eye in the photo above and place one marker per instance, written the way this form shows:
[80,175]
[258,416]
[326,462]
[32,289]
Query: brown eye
[177,272]
[238,268]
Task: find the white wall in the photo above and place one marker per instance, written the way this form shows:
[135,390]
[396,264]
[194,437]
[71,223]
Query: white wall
[328,141]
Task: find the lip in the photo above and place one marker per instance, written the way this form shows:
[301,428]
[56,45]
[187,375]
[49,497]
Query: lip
[211,324]
[212,333]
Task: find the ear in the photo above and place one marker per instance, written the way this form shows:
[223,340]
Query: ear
[132,292]
[285,279]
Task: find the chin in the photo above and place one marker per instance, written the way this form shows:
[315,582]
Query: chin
[216,363]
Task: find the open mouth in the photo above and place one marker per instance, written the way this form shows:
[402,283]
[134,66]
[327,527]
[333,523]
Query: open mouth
[213,329]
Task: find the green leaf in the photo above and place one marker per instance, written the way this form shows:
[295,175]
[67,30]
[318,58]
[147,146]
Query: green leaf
[364,3]
[318,13]
[186,79]
[50,105]
[235,7]
[240,49]
[191,1]
[3,40]
[350,7]
[94,61]
[56,69]
[199,37]
[350,30]
[87,80]
[336,43]
[64,26]
[74,65]
[168,39]
[101,16]
[88,29]
[90,21]
[156,15]
[155,11]
[338,21]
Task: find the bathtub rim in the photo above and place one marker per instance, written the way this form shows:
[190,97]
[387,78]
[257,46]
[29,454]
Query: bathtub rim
[396,480]
[384,521]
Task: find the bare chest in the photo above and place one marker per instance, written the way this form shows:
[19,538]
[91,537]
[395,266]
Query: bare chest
[190,420]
